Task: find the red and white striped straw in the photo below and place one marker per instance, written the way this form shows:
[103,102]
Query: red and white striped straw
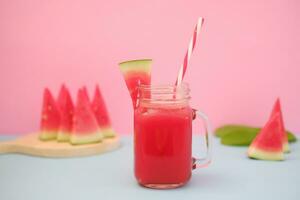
[189,52]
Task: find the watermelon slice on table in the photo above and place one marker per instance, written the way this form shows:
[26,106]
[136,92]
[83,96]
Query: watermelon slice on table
[277,109]
[50,120]
[136,72]
[268,144]
[66,108]
[101,114]
[85,125]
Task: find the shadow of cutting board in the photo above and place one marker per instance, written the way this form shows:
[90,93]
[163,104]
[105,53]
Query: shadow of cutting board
[31,145]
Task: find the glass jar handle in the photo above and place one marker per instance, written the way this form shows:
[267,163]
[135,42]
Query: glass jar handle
[203,162]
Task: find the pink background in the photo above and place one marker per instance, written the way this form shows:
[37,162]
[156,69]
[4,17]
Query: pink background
[248,55]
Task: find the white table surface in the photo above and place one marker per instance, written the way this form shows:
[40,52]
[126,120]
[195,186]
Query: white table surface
[110,176]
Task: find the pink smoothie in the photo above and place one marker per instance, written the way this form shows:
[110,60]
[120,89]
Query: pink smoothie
[163,139]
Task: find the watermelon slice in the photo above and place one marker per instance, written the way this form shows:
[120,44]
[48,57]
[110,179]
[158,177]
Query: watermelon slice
[101,114]
[85,125]
[50,120]
[277,109]
[66,108]
[136,72]
[268,144]
[84,90]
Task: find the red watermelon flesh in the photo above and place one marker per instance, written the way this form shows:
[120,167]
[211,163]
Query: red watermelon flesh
[66,108]
[50,120]
[101,114]
[277,110]
[268,145]
[133,80]
[86,94]
[136,72]
[85,125]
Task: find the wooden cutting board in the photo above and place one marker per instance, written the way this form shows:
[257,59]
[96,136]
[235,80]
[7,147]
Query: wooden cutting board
[31,145]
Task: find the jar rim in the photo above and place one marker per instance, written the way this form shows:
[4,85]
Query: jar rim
[183,85]
[166,95]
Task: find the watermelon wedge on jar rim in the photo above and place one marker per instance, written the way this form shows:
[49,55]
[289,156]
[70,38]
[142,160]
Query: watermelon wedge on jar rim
[136,72]
[101,114]
[85,125]
[50,119]
[66,107]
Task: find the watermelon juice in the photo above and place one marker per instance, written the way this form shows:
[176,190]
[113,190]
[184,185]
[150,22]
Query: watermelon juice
[163,140]
[163,136]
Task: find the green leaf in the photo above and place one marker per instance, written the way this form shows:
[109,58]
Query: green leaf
[291,137]
[238,139]
[224,130]
[240,135]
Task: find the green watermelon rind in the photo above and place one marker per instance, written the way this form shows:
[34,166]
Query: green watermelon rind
[285,147]
[47,135]
[63,136]
[77,139]
[265,155]
[143,65]
[108,132]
